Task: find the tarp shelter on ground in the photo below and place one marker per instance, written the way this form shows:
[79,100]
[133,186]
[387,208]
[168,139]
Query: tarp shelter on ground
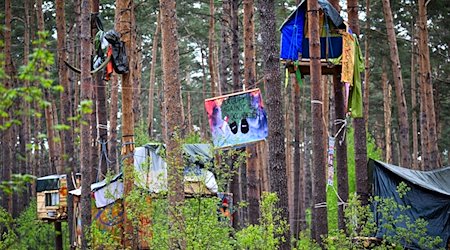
[151,173]
[151,178]
[429,197]
[294,33]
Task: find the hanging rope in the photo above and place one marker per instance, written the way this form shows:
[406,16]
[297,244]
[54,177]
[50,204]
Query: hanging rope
[341,129]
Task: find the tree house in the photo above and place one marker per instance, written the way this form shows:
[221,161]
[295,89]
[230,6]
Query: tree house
[294,53]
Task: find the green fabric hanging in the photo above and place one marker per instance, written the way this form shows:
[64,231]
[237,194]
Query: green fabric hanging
[356,98]
[298,75]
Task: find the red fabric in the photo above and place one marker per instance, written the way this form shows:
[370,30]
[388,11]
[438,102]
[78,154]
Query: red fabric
[109,66]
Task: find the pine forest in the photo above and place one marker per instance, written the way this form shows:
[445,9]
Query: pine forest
[224,124]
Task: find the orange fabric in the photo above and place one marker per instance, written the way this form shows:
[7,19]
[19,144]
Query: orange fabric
[109,66]
[348,58]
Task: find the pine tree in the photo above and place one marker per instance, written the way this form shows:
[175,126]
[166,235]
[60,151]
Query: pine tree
[274,105]
[172,99]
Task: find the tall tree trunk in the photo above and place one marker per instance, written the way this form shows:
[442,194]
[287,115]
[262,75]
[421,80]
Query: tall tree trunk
[235,45]
[225,42]
[274,105]
[8,158]
[425,79]
[85,144]
[96,81]
[212,48]
[415,141]
[100,120]
[205,126]
[26,118]
[367,64]
[114,109]
[299,198]
[151,92]
[341,148]
[399,90]
[319,213]
[67,139]
[123,21]
[249,78]
[172,97]
[306,157]
[387,116]
[236,78]
[362,178]
[289,150]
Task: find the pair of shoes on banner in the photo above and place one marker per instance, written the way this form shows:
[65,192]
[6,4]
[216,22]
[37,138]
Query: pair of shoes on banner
[244,127]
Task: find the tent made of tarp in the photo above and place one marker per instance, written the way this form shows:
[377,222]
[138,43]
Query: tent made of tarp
[429,197]
[151,173]
[294,33]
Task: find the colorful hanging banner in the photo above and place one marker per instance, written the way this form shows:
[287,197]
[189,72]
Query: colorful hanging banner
[331,143]
[237,118]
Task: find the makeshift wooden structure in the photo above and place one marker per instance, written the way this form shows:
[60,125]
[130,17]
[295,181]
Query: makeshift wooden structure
[294,52]
[51,194]
[151,179]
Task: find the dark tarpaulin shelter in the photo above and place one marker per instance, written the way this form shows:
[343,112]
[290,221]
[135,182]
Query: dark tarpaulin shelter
[294,41]
[429,197]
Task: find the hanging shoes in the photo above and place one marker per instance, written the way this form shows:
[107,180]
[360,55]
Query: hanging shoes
[244,126]
[234,127]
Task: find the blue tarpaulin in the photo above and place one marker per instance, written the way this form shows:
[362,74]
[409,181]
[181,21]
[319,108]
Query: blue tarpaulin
[293,42]
[429,197]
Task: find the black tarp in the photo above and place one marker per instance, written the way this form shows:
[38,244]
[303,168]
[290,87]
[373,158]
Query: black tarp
[429,197]
[47,183]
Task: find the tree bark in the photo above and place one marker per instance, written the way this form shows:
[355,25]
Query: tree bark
[274,105]
[367,64]
[26,118]
[341,149]
[85,144]
[67,139]
[8,158]
[114,109]
[212,48]
[235,45]
[151,92]
[253,192]
[319,213]
[172,98]
[225,42]
[415,141]
[123,21]
[362,179]
[299,198]
[425,79]
[387,116]
[399,90]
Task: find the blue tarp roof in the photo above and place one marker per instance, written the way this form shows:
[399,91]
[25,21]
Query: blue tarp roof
[292,28]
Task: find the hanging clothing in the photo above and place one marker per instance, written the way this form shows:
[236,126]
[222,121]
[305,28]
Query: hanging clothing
[348,57]
[356,98]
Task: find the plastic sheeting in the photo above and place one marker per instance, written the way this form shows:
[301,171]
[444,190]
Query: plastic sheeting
[429,197]
[151,171]
[293,41]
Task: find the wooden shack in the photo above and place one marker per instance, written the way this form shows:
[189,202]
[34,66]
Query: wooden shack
[52,197]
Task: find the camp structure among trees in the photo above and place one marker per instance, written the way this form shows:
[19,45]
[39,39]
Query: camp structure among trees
[52,194]
[151,176]
[427,198]
[294,46]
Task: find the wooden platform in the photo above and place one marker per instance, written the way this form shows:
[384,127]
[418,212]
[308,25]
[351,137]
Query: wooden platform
[327,67]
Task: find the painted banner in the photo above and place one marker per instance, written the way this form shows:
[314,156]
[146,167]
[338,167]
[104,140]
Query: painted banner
[237,119]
